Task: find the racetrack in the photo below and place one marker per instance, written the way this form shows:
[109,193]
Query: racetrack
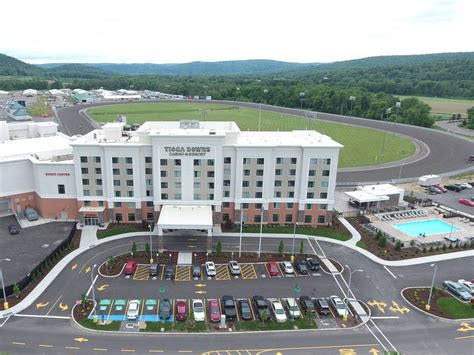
[440,152]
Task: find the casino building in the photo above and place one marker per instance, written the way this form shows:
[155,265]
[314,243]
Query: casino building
[179,175]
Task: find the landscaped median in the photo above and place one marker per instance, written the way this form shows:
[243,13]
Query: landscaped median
[115,229]
[442,303]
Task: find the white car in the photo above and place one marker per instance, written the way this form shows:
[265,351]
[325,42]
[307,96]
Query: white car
[133,309]
[338,306]
[198,311]
[234,268]
[468,285]
[210,268]
[466,185]
[287,267]
[293,308]
[279,312]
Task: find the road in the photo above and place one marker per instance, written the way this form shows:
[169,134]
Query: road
[446,152]
[396,326]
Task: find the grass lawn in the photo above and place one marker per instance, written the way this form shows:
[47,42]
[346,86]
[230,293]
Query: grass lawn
[363,151]
[455,308]
[445,106]
[362,244]
[89,323]
[271,325]
[40,107]
[118,229]
[289,230]
[187,326]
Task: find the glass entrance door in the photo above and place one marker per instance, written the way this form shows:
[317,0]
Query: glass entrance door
[91,221]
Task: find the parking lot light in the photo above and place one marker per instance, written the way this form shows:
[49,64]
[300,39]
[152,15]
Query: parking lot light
[427,306]
[5,303]
[349,284]
[151,245]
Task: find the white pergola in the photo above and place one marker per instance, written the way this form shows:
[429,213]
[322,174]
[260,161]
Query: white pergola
[185,218]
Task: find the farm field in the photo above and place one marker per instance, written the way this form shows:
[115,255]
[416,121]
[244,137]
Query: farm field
[362,146]
[445,106]
[40,107]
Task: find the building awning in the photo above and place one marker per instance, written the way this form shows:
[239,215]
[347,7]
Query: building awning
[88,209]
[185,217]
[364,197]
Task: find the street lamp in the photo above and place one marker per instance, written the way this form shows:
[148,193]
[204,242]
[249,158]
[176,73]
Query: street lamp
[265,91]
[301,99]
[93,293]
[151,245]
[261,230]
[427,307]
[5,303]
[293,245]
[240,237]
[351,99]
[350,279]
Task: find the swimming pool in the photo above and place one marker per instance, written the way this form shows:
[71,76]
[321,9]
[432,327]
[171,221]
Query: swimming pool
[428,227]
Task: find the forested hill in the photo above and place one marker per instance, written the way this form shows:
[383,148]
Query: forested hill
[10,66]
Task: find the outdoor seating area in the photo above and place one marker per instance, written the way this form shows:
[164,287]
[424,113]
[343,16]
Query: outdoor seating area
[402,215]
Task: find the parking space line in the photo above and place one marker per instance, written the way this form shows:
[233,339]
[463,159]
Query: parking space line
[53,305]
[390,272]
[162,271]
[251,309]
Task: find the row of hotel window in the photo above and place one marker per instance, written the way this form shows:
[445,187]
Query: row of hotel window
[210,162]
[276,218]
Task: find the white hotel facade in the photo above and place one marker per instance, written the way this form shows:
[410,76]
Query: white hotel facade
[114,175]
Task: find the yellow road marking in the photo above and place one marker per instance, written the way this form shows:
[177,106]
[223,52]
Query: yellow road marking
[41,305]
[222,273]
[396,308]
[102,287]
[99,349]
[72,347]
[200,285]
[248,271]
[465,327]
[316,347]
[45,346]
[183,273]
[88,269]
[200,292]
[141,273]
[380,305]
[18,343]
[347,352]
[81,339]
[63,307]
[74,267]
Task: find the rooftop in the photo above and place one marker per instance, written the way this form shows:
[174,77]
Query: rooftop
[185,217]
[381,189]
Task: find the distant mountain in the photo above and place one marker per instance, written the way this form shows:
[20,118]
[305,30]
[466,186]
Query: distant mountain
[13,67]
[77,71]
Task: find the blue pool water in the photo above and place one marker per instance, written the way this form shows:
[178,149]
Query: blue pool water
[429,227]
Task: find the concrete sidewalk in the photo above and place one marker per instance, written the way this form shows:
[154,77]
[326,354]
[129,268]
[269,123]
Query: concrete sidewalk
[88,236]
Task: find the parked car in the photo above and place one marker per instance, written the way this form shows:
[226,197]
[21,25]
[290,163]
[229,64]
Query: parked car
[433,190]
[465,201]
[273,268]
[133,309]
[229,308]
[457,290]
[245,311]
[441,188]
[293,308]
[338,306]
[322,306]
[279,312]
[31,214]
[312,264]
[453,188]
[214,311]
[301,267]
[198,311]
[169,272]
[154,269]
[460,186]
[466,185]
[468,285]
[196,271]
[181,311]
[13,229]
[307,305]
[165,308]
[234,268]
[210,268]
[287,267]
[260,307]
[130,267]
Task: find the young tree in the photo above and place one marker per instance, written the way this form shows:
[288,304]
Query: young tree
[301,247]
[134,249]
[382,242]
[378,235]
[281,247]
[218,248]
[398,245]
[16,290]
[147,248]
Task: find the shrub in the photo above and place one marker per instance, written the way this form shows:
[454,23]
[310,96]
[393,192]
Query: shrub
[378,235]
[281,247]
[431,249]
[147,248]
[134,249]
[450,246]
[424,249]
[398,245]
[16,290]
[382,241]
[219,248]
[301,247]
[412,243]
[444,246]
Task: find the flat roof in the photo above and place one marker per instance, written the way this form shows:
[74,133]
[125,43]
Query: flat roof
[290,138]
[381,189]
[43,147]
[91,209]
[185,217]
[362,196]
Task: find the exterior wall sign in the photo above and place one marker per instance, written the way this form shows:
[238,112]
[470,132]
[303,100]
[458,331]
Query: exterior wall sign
[57,174]
[180,151]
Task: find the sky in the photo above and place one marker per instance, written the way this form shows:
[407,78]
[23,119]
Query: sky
[171,31]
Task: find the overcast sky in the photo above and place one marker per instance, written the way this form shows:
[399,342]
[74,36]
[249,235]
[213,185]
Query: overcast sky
[176,31]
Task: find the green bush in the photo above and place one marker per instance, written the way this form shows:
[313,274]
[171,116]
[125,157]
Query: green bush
[134,249]
[398,245]
[301,247]
[16,290]
[382,241]
[147,248]
[281,247]
[378,235]
[219,248]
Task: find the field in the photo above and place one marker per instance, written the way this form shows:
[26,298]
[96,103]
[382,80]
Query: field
[446,107]
[362,146]
[40,107]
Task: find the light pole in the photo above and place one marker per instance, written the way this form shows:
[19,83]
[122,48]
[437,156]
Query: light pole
[351,99]
[427,307]
[398,104]
[301,99]
[5,303]
[93,293]
[261,230]
[265,91]
[350,279]
[151,245]
[240,240]
[293,245]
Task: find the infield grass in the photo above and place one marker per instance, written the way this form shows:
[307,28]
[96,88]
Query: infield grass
[362,146]
[445,107]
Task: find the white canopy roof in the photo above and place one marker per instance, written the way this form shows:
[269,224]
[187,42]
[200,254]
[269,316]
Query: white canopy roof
[362,196]
[185,217]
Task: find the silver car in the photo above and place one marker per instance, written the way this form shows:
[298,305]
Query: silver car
[133,309]
[31,214]
[338,306]
[234,268]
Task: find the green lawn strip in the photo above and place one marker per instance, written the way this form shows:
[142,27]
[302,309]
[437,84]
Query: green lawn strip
[362,244]
[371,146]
[454,308]
[272,325]
[289,230]
[117,230]
[40,107]
[89,323]
[185,326]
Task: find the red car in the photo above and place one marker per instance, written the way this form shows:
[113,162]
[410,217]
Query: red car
[181,312]
[466,202]
[130,267]
[441,188]
[273,268]
[214,311]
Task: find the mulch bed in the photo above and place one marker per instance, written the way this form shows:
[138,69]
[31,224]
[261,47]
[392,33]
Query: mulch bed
[81,311]
[418,297]
[389,252]
[247,257]
[75,241]
[142,257]
[336,264]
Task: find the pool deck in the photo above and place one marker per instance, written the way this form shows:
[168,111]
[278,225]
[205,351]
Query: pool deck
[466,230]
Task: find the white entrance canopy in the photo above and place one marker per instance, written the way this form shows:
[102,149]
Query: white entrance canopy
[91,209]
[362,196]
[185,217]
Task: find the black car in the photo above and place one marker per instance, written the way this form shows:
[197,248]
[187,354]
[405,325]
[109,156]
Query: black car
[154,269]
[307,304]
[312,264]
[301,267]
[169,272]
[12,229]
[165,308]
[228,306]
[260,307]
[196,271]
[245,311]
[453,188]
[322,306]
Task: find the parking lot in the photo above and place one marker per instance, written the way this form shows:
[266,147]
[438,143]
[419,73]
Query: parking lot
[451,199]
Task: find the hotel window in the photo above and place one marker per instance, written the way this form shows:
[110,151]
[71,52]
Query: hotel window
[226,193]
[177,196]
[131,217]
[177,162]
[114,160]
[290,194]
[98,171]
[277,194]
[245,206]
[324,183]
[226,182]
[307,219]
[129,182]
[83,159]
[259,183]
[227,160]
[116,171]
[260,161]
[277,171]
[118,194]
[131,205]
[246,161]
[118,217]
[211,197]
[85,181]
[129,171]
[163,173]
[226,172]
[97,160]
[210,174]
[177,184]
[313,161]
[98,182]
[197,185]
[164,185]
[323,195]
[245,183]
[275,218]
[100,203]
[149,203]
[163,162]
[197,174]
[116,182]
[310,183]
[276,204]
[245,194]
[197,162]
[164,196]
[87,192]
[87,203]
[259,172]
[277,183]
[84,171]
[279,160]
[149,217]
[148,193]
[117,204]
[309,206]
[197,196]
[291,183]
[312,173]
[325,172]
[210,185]
[257,218]
[321,219]
[148,171]
[288,218]
[99,192]
[225,217]
[148,160]
[149,182]
[246,172]
[289,205]
[323,206]
[210,162]
[128,160]
[310,195]
[257,206]
[292,172]
[61,189]
[293,160]
[129,193]
[258,195]
[225,204]
[328,161]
